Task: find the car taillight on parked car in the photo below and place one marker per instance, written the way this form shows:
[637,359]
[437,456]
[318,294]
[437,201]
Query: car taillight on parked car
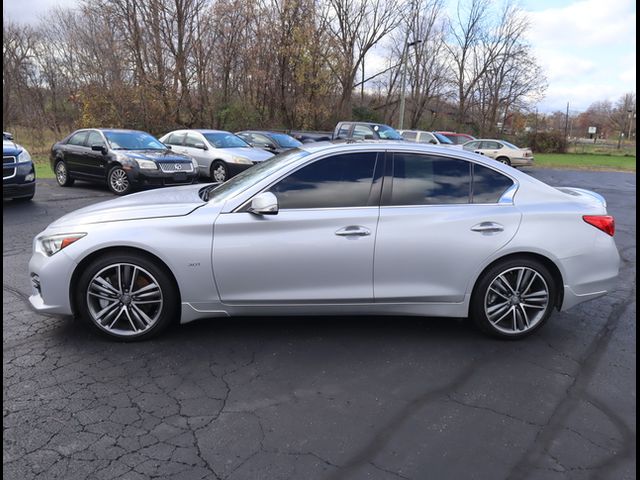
[606,223]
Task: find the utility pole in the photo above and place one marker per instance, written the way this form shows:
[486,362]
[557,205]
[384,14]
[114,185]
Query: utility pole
[404,80]
[566,124]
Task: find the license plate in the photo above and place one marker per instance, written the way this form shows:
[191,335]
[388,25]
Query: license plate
[180,177]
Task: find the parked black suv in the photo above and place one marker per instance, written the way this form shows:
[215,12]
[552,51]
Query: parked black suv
[364,131]
[125,159]
[18,172]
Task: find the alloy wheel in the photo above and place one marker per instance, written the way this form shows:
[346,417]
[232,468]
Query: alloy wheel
[119,181]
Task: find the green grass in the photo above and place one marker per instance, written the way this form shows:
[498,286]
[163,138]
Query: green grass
[585,162]
[43,169]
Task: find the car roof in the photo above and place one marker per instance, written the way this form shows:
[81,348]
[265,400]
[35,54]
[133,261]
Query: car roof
[263,132]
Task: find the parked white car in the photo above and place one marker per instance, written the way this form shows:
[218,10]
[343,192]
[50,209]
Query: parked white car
[501,151]
[433,138]
[220,155]
[389,228]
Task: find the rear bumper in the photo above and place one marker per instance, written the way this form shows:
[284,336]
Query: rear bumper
[522,162]
[592,275]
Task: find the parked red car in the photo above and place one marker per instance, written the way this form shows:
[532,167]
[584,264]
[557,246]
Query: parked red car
[457,138]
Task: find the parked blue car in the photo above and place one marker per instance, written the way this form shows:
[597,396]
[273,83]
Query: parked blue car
[18,171]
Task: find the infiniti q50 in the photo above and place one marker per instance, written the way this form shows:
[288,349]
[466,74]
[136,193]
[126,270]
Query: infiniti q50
[327,229]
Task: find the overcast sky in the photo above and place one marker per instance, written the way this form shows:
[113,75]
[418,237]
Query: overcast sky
[587,47]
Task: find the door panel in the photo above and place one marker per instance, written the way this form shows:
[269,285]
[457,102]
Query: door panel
[296,256]
[428,253]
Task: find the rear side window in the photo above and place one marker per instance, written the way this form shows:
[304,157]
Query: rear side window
[77,138]
[175,139]
[488,185]
[337,181]
[425,180]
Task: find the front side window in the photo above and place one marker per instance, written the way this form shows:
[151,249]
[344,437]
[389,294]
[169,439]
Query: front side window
[192,140]
[426,137]
[488,185]
[362,131]
[77,138]
[344,130]
[338,181]
[95,138]
[225,140]
[427,180]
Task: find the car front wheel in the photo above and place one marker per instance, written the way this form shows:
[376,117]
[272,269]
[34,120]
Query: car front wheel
[513,298]
[219,171]
[127,297]
[62,174]
[118,181]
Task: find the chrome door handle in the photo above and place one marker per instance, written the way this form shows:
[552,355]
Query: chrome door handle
[488,227]
[353,231]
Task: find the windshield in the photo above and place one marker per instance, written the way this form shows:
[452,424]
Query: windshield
[285,140]
[387,133]
[225,140]
[132,141]
[442,139]
[510,145]
[251,176]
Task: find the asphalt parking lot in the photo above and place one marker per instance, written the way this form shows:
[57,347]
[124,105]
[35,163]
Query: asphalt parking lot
[320,398]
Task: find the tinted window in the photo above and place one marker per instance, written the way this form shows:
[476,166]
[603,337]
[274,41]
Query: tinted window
[411,136]
[192,140]
[337,181]
[77,138]
[488,185]
[175,139]
[425,180]
[95,139]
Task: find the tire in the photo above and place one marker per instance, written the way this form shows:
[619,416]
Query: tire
[106,297]
[504,160]
[219,171]
[118,181]
[62,174]
[513,298]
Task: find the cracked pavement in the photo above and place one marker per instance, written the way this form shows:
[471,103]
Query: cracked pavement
[319,398]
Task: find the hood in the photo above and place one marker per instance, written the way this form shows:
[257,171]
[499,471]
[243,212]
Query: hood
[253,154]
[163,202]
[10,148]
[156,155]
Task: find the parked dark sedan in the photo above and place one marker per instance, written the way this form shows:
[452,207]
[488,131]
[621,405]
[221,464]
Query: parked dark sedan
[124,159]
[18,172]
[273,142]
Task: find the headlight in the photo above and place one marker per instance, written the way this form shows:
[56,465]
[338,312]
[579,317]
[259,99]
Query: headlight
[146,164]
[24,156]
[52,244]
[242,160]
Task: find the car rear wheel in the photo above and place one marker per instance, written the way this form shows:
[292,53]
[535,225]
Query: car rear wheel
[504,160]
[62,174]
[219,171]
[513,298]
[118,181]
[127,297]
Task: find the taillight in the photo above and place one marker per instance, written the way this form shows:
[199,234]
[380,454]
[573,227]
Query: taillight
[606,223]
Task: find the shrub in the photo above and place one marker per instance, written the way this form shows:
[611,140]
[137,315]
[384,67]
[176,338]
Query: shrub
[544,142]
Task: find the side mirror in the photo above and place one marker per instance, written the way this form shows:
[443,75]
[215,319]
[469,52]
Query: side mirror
[433,142]
[99,148]
[369,136]
[264,203]
[200,145]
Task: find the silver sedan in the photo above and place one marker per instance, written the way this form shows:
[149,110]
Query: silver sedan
[333,229]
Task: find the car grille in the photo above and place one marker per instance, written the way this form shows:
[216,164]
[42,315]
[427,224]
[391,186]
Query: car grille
[8,170]
[176,167]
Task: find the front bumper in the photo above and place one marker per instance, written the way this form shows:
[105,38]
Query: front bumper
[50,282]
[18,190]
[14,184]
[158,178]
